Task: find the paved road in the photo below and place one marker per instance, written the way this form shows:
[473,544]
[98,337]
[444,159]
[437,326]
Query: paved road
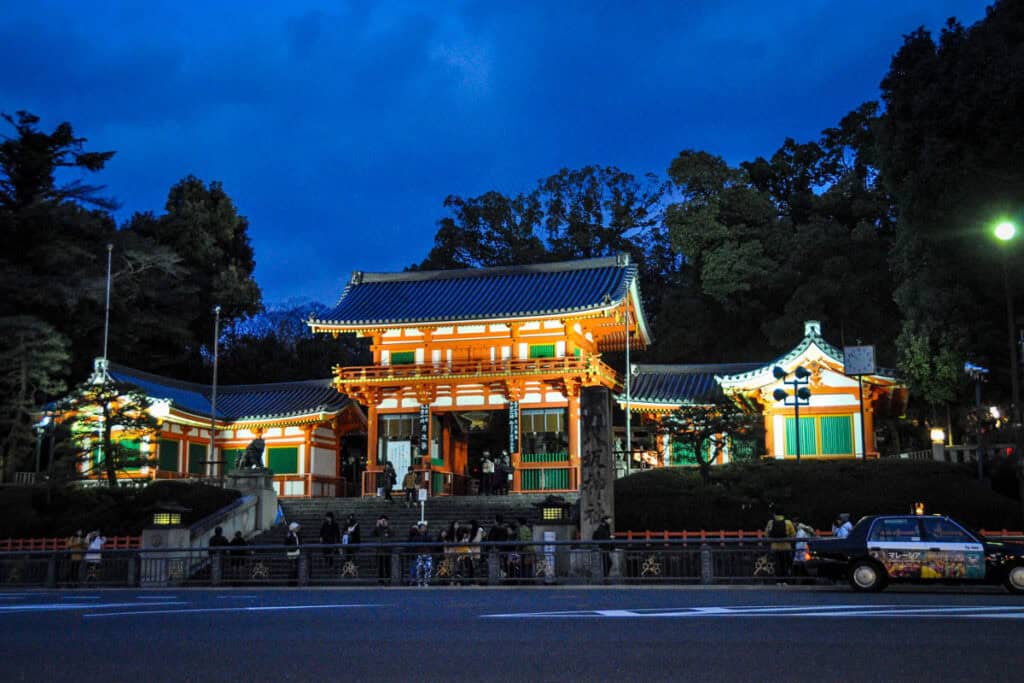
[557,634]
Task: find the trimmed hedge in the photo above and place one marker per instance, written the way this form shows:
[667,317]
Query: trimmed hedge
[740,496]
[30,512]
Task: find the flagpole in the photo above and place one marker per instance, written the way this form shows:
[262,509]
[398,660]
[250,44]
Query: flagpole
[106,318]
[213,393]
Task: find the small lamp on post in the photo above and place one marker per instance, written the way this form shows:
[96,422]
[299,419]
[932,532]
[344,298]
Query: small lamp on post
[801,395]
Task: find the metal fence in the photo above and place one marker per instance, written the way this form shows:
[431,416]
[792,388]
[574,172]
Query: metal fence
[723,561]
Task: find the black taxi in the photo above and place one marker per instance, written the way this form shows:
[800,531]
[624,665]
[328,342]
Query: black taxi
[918,548]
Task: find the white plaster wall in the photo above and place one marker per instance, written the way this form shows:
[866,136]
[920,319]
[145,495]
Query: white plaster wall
[532,397]
[324,462]
[524,351]
[443,402]
[294,431]
[834,379]
[472,329]
[552,324]
[535,325]
[496,400]
[410,403]
[388,403]
[419,356]
[779,434]
[560,349]
[470,401]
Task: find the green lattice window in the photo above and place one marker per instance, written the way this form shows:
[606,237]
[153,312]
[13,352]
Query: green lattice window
[283,460]
[683,454]
[808,436]
[836,435]
[197,454]
[542,350]
[130,455]
[544,480]
[403,357]
[743,450]
[167,455]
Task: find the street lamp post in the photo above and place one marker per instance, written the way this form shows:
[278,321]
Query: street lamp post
[801,396]
[1007,231]
[977,373]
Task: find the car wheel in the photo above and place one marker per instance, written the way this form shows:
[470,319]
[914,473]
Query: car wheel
[1015,579]
[868,576]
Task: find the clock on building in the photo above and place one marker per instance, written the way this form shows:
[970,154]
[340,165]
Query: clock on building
[859,360]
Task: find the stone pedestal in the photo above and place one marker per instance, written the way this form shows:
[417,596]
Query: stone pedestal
[168,568]
[259,483]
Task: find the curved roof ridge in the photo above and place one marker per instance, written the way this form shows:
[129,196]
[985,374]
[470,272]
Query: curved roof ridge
[359,277]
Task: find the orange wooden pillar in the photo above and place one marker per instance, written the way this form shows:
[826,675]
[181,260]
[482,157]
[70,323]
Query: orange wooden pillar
[574,434]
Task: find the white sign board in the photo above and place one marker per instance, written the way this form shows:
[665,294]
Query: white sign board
[859,360]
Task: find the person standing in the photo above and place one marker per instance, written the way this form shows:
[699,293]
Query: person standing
[293,549]
[93,557]
[237,554]
[382,535]
[778,527]
[603,533]
[842,527]
[487,473]
[352,536]
[424,565]
[77,545]
[409,485]
[330,534]
[800,547]
[390,479]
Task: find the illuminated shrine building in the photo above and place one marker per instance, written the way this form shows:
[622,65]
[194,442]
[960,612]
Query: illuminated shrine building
[830,418]
[301,423]
[485,360]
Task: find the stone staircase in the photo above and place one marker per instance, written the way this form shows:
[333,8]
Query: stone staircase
[439,513]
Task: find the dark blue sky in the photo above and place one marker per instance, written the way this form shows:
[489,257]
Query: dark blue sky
[339,127]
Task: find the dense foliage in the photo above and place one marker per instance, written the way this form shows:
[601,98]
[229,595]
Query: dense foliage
[740,496]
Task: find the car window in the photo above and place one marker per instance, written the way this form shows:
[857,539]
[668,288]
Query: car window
[944,530]
[895,529]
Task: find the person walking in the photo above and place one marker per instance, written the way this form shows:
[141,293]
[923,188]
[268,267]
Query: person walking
[778,527]
[382,535]
[330,534]
[409,485]
[390,478]
[293,549]
[800,547]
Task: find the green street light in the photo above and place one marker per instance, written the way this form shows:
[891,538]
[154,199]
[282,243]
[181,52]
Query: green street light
[1006,231]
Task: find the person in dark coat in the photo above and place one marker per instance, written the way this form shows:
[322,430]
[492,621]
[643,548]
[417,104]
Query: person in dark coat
[603,532]
[382,534]
[293,549]
[330,534]
[390,478]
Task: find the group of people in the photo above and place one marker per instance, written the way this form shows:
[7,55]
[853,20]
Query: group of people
[788,558]
[86,547]
[495,474]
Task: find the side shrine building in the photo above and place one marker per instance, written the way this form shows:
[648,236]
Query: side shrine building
[300,423]
[485,362]
[837,420]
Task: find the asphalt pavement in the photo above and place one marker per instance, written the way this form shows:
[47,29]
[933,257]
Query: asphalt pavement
[524,634]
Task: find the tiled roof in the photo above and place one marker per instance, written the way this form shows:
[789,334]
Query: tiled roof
[484,293]
[238,401]
[679,384]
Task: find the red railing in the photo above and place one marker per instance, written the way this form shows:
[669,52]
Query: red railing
[569,365]
[34,544]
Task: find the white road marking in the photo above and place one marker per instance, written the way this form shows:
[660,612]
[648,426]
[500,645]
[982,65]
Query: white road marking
[209,610]
[237,597]
[59,607]
[81,597]
[156,597]
[833,611]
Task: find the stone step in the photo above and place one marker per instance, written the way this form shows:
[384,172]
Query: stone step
[439,512]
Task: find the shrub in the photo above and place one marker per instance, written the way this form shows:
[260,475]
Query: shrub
[741,496]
